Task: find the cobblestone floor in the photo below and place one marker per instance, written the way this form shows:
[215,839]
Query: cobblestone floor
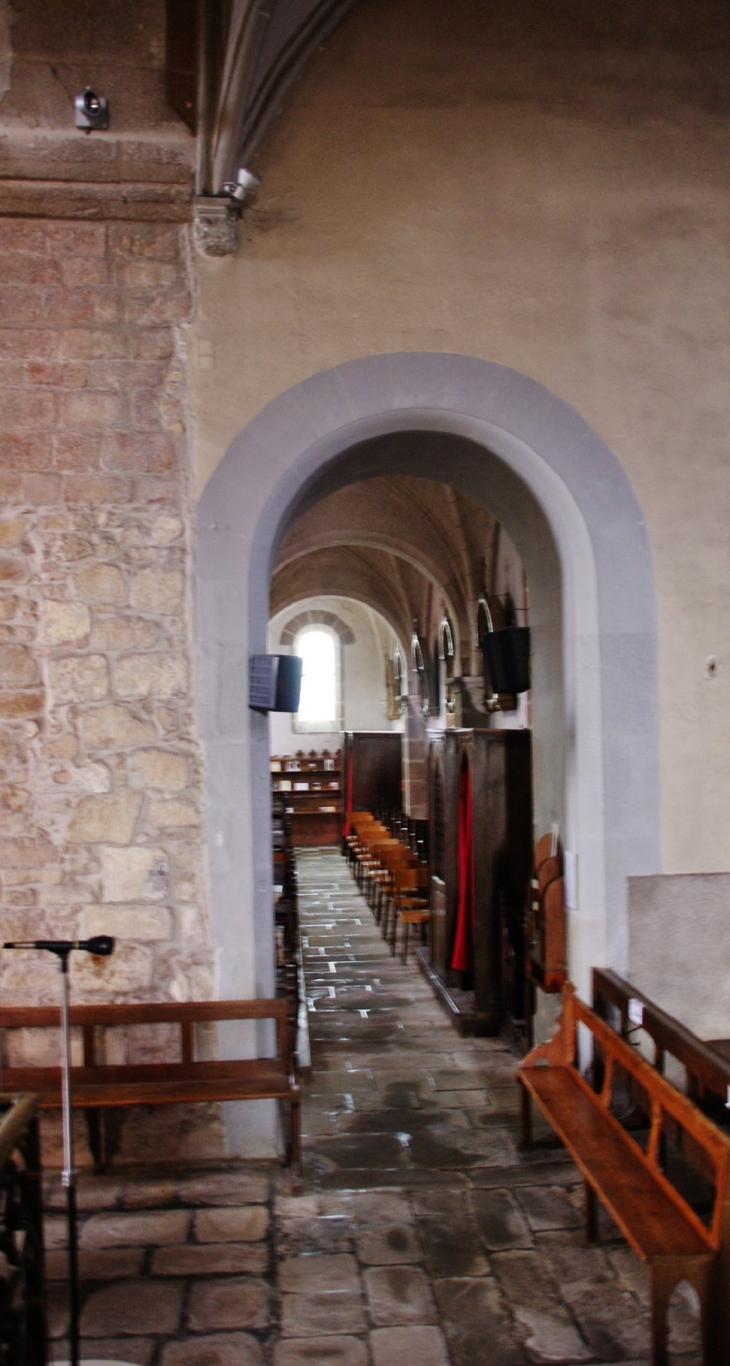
[423,1237]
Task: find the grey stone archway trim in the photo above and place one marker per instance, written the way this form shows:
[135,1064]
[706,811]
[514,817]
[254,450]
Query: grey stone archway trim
[317,617]
[568,505]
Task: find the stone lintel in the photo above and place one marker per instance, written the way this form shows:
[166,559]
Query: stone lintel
[141,201]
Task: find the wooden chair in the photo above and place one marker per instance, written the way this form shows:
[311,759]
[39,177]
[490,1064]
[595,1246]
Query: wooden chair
[408,904]
[394,857]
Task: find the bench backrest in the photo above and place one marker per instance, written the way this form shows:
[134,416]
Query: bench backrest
[185,1013]
[703,1065]
[697,1134]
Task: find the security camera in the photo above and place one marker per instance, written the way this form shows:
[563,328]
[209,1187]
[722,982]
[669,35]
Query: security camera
[91,110]
[246,183]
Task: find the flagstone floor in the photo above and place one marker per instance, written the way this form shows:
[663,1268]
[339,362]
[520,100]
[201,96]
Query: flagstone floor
[422,1238]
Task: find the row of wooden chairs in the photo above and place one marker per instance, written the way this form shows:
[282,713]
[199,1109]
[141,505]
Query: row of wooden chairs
[390,875]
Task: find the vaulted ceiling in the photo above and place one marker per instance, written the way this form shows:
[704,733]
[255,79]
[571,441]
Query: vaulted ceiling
[410,548]
[230,66]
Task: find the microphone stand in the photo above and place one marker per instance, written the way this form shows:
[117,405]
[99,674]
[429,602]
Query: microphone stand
[62,948]
[68,1175]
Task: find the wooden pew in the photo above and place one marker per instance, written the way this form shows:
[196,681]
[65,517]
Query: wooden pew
[97,1085]
[654,1217]
[707,1072]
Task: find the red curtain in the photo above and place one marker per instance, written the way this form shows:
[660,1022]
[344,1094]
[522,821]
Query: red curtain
[462,958]
[348,793]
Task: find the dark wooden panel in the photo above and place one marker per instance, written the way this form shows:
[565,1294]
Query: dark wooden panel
[444,759]
[501,769]
[502,787]
[312,828]
[377,769]
[439,943]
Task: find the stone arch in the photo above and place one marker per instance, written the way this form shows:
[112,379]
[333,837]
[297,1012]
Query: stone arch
[567,504]
[316,617]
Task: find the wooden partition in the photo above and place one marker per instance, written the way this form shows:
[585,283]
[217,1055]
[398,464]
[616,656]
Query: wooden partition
[500,765]
[443,806]
[375,777]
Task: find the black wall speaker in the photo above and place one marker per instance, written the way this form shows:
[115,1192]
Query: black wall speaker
[288,683]
[275,683]
[507,654]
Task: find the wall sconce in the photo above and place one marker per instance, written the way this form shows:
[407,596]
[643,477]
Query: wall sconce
[91,111]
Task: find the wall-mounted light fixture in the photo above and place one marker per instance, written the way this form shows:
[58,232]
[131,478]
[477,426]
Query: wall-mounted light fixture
[91,110]
[446,657]
[419,669]
[245,184]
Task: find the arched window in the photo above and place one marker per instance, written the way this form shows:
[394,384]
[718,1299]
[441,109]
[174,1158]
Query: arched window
[319,649]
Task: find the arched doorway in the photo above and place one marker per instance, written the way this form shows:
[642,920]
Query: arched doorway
[568,506]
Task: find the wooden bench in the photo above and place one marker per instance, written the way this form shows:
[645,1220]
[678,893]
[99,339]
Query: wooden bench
[97,1085]
[655,1218]
[706,1070]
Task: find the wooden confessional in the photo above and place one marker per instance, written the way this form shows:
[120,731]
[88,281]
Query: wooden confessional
[498,764]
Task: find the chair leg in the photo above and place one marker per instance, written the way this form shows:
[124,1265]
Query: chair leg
[591,1208]
[295,1154]
[526,1142]
[404,955]
[664,1277]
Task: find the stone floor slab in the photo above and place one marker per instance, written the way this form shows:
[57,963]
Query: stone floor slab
[500,1221]
[322,1313]
[211,1259]
[215,1349]
[451,1242]
[93,1192]
[327,1351]
[391,1244]
[136,1307]
[117,1230]
[103,1264]
[479,1329]
[137,1351]
[370,1207]
[236,1302]
[224,1188]
[399,1295]
[415,1346]
[534,1298]
[610,1321]
[550,1207]
[321,1233]
[242,1224]
[300,1275]
[148,1193]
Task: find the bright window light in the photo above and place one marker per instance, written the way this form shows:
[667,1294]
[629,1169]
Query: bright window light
[318,698]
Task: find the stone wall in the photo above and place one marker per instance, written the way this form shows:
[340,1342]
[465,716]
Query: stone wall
[101,816]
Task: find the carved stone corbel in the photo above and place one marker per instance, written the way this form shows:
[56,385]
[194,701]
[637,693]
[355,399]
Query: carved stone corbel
[214,226]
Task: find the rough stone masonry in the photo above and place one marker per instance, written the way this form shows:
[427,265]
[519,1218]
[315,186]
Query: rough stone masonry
[101,798]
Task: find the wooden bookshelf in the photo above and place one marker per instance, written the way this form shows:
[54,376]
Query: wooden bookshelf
[311,787]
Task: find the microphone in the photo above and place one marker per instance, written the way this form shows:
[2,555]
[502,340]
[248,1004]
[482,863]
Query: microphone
[100,944]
